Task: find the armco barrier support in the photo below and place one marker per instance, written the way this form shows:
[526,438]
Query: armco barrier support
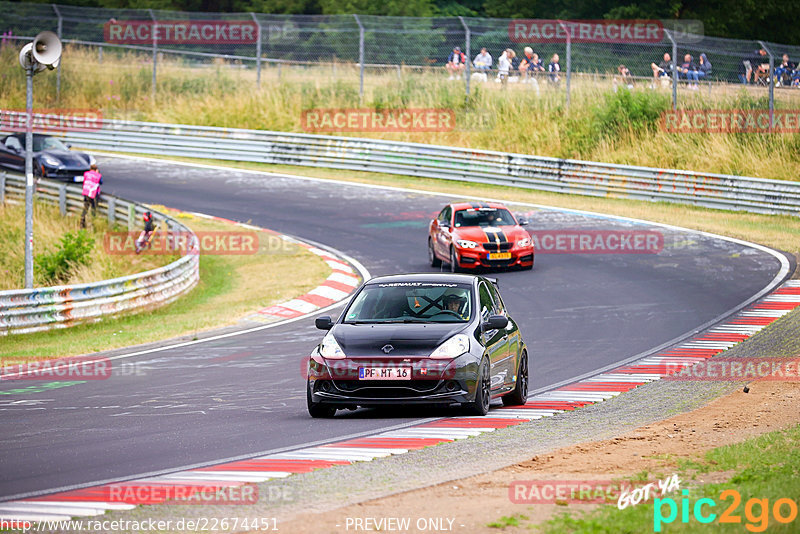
[481,166]
[31,310]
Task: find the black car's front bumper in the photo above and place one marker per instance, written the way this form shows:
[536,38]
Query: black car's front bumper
[60,173]
[336,382]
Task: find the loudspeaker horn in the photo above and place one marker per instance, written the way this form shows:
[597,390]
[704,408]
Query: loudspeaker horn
[47,49]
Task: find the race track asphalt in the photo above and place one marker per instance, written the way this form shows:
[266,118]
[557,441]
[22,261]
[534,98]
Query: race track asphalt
[245,395]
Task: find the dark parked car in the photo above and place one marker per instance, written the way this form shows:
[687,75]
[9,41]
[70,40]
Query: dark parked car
[422,339]
[51,157]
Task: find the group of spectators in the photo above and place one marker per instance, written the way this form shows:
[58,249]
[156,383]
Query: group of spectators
[755,69]
[509,66]
[752,69]
[690,70]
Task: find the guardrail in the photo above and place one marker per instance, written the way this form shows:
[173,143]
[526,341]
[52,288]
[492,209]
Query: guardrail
[31,310]
[413,159]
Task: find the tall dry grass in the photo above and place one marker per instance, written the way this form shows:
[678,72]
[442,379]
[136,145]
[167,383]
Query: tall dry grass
[48,228]
[603,125]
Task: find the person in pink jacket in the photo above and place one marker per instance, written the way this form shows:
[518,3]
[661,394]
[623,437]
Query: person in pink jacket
[91,191]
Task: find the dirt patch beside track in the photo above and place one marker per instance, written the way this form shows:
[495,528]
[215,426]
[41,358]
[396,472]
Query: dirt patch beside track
[473,502]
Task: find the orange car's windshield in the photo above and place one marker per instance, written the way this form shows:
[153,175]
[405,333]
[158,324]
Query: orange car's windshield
[484,217]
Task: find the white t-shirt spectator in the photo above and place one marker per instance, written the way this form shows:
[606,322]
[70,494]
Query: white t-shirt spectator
[483,59]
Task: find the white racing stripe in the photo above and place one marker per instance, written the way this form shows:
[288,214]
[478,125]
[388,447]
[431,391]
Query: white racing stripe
[344,279]
[624,377]
[33,517]
[329,293]
[32,507]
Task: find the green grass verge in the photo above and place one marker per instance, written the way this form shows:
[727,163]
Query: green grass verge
[767,468]
[230,286]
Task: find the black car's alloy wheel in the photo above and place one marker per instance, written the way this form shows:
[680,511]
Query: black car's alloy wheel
[519,395]
[317,409]
[435,262]
[483,394]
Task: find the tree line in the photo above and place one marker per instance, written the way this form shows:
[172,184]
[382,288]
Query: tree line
[769,20]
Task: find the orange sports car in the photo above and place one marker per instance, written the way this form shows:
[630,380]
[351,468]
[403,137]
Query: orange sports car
[469,235]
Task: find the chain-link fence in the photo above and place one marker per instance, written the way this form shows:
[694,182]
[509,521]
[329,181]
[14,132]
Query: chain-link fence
[361,47]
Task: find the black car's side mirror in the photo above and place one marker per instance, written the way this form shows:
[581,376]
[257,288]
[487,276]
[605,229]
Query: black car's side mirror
[324,322]
[495,322]
[68,145]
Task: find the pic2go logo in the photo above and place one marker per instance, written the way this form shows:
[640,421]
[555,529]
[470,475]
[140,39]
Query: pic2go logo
[756,511]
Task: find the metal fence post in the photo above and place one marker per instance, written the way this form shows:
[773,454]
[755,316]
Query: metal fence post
[2,187]
[131,217]
[771,82]
[469,55]
[360,57]
[258,50]
[112,210]
[100,54]
[58,69]
[569,59]
[674,70]
[155,51]
[62,199]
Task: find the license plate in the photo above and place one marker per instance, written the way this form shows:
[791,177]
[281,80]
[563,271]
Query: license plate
[384,373]
[79,178]
[499,255]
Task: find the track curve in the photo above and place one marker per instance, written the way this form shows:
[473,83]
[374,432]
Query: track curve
[243,395]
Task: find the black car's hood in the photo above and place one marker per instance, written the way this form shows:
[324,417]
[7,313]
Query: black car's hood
[68,158]
[406,339]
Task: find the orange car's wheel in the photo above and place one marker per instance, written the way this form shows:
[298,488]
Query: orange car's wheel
[435,262]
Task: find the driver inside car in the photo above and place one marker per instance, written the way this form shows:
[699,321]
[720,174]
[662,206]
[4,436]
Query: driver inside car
[455,303]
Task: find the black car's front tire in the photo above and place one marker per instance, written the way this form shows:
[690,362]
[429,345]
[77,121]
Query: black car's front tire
[483,394]
[317,409]
[519,395]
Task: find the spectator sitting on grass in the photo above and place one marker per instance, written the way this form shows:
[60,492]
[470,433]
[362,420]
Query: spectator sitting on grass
[483,61]
[783,72]
[663,69]
[554,69]
[625,77]
[456,63]
[759,66]
[704,68]
[504,65]
[688,70]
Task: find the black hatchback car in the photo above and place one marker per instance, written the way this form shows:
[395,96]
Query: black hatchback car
[423,339]
[51,157]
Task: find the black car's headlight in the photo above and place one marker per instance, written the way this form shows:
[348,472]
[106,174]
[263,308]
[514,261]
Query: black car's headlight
[330,349]
[50,161]
[452,348]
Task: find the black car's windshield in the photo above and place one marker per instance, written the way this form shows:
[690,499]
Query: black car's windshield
[47,143]
[484,217]
[411,302]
